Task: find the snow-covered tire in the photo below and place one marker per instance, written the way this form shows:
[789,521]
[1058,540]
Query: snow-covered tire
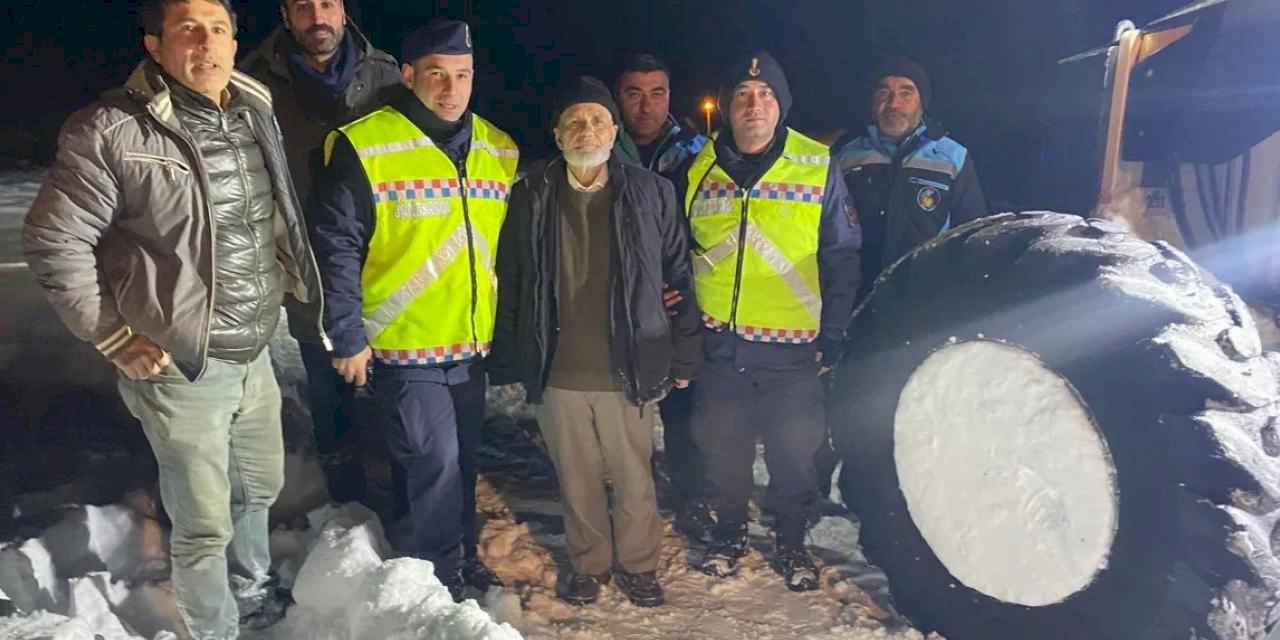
[1155,517]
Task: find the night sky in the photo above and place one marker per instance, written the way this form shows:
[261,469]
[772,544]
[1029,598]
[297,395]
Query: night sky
[991,60]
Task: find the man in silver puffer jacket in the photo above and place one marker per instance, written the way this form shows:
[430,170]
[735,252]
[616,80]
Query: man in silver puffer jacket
[166,235]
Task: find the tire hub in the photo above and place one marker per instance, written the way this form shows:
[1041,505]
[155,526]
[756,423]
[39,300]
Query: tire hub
[1005,473]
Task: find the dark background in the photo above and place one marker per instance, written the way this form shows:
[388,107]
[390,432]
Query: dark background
[992,61]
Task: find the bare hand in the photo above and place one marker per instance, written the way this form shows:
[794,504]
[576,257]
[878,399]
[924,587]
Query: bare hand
[355,368]
[140,358]
[671,298]
[682,383]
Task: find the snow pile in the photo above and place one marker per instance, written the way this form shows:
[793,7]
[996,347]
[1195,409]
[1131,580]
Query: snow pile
[345,590]
[77,581]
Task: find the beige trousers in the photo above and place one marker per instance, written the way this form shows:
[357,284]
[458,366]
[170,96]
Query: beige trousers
[598,437]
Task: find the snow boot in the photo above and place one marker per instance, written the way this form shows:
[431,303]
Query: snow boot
[580,588]
[728,546]
[694,521]
[641,588]
[476,574]
[796,566]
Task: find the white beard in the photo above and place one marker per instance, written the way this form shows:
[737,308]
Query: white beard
[587,159]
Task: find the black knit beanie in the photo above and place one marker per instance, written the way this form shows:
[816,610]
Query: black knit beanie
[585,89]
[904,67]
[758,66]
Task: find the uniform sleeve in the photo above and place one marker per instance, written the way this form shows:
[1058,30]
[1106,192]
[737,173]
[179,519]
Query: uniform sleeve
[341,222]
[686,330]
[839,261]
[968,201]
[75,206]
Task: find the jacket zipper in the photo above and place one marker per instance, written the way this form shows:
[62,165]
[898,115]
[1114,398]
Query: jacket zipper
[552,238]
[471,254]
[213,234]
[626,368]
[908,148]
[737,274]
[244,182]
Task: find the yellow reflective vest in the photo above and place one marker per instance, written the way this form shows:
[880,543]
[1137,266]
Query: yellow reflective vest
[429,285]
[755,256]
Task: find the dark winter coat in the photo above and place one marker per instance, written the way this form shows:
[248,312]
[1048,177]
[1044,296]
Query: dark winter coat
[305,117]
[121,235]
[307,112]
[650,253]
[909,194]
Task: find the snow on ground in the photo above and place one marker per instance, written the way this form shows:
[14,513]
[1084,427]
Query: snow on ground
[17,190]
[102,570]
[84,547]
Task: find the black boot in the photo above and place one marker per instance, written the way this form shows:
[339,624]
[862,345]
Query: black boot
[796,565]
[580,588]
[641,588]
[476,574]
[728,545]
[344,475]
[694,521]
[453,581]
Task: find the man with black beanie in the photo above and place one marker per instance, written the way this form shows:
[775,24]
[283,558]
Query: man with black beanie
[775,255]
[405,221]
[908,179]
[590,245]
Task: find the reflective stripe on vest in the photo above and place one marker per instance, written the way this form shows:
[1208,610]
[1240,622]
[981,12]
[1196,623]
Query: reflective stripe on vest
[770,234]
[428,283]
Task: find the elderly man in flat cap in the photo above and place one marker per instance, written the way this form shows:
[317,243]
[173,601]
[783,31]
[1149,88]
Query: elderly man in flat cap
[406,221]
[590,246]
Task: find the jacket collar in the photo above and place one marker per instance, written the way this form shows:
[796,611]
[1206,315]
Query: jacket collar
[148,85]
[617,175]
[889,147]
[275,50]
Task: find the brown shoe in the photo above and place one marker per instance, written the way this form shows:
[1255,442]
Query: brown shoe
[641,588]
[580,588]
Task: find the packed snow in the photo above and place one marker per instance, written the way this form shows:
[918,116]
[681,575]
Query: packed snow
[1042,504]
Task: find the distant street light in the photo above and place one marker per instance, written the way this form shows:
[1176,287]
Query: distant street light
[707,107]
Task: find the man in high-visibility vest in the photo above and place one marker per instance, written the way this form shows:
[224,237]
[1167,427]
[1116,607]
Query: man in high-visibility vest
[775,257]
[406,219]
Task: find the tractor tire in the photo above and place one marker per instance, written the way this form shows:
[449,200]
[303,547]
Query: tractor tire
[1053,429]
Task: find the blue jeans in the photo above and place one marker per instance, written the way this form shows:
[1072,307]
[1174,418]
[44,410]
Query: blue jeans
[219,443]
